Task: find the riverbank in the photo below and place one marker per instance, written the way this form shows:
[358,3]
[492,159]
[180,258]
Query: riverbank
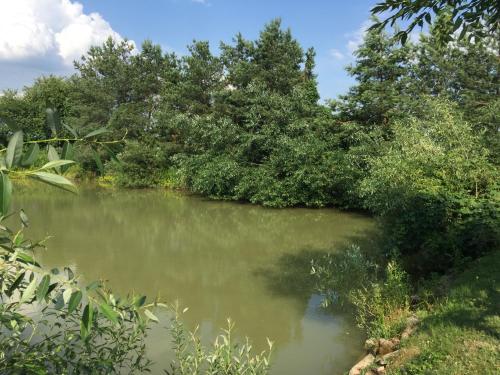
[458,329]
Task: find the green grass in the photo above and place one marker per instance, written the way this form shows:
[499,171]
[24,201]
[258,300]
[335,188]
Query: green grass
[460,332]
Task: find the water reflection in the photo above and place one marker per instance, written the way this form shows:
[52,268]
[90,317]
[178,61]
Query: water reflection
[221,259]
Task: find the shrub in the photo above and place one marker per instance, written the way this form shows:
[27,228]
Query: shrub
[337,274]
[140,165]
[382,305]
[351,279]
[431,185]
[211,175]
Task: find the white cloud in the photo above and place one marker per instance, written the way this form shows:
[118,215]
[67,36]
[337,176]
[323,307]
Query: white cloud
[53,29]
[336,54]
[356,37]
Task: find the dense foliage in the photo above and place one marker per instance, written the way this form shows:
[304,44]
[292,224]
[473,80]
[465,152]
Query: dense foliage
[472,17]
[415,142]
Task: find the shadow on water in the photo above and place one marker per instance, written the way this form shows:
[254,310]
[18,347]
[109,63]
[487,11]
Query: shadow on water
[290,275]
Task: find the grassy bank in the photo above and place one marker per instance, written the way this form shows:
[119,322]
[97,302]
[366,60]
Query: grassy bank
[459,331]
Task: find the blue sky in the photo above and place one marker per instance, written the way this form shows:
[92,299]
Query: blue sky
[332,27]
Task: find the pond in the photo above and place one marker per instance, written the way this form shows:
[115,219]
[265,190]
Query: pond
[220,259]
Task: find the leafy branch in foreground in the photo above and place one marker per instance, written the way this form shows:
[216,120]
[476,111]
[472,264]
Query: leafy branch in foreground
[52,322]
[473,18]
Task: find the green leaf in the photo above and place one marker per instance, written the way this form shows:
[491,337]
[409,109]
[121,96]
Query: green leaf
[108,312]
[30,155]
[57,163]
[25,258]
[24,218]
[67,154]
[54,180]
[14,150]
[71,130]
[52,155]
[53,121]
[74,300]
[150,315]
[5,193]
[29,292]
[96,132]
[15,284]
[140,301]
[98,162]
[86,323]
[67,151]
[43,288]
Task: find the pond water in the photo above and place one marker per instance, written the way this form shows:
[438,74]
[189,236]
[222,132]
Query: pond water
[220,259]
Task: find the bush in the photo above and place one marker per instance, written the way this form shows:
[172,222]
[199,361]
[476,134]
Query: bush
[140,165]
[433,184]
[351,279]
[337,274]
[211,175]
[381,306]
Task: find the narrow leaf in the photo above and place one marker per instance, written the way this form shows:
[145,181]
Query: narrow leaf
[30,155]
[29,292]
[71,130]
[54,180]
[74,300]
[108,312]
[15,284]
[56,164]
[43,288]
[140,301]
[67,154]
[86,323]
[5,194]
[96,132]
[14,150]
[150,315]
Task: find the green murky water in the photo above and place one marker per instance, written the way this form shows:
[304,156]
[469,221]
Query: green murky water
[220,259]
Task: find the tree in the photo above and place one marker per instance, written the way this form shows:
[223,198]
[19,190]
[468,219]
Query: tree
[476,18]
[433,188]
[465,72]
[26,110]
[381,71]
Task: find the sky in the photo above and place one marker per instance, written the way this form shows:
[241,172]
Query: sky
[41,37]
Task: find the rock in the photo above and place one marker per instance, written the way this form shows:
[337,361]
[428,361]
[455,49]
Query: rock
[371,346]
[385,346]
[361,365]
[411,325]
[395,341]
[389,356]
